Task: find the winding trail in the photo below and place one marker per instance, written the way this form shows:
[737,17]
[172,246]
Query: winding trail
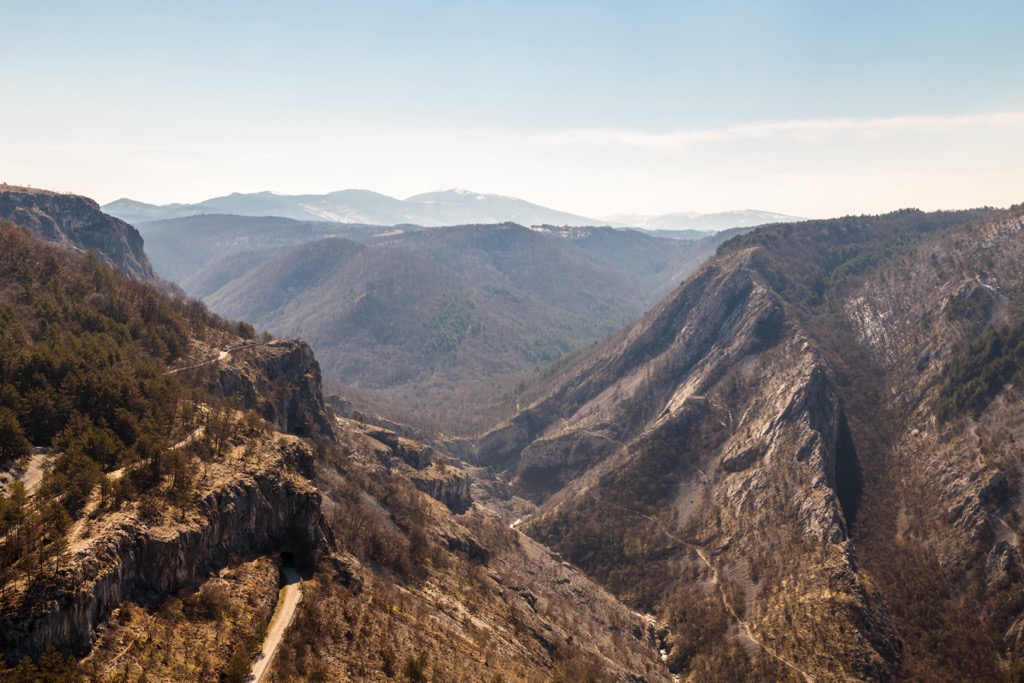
[222,355]
[287,602]
[744,627]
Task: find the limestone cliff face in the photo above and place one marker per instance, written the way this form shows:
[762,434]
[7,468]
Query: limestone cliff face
[821,429]
[713,426]
[77,222]
[267,509]
[281,381]
[451,487]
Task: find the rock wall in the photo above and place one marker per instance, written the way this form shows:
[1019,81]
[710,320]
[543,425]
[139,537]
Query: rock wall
[713,423]
[270,511]
[77,222]
[452,487]
[281,381]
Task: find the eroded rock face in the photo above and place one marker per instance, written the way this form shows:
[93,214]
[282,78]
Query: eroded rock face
[811,380]
[268,510]
[281,381]
[77,222]
[451,487]
[713,423]
[413,453]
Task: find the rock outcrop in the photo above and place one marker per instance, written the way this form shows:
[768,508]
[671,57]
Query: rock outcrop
[447,483]
[413,453]
[77,223]
[267,509]
[450,486]
[281,381]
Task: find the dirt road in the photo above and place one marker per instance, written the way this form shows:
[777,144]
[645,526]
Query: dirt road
[287,602]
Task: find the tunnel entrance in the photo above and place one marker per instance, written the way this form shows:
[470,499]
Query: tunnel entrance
[849,480]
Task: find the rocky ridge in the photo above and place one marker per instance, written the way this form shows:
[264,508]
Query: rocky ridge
[759,427]
[77,223]
[279,379]
[714,424]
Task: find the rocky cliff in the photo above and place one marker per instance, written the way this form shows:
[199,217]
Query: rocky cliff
[449,486]
[279,379]
[77,223]
[259,506]
[758,432]
[713,428]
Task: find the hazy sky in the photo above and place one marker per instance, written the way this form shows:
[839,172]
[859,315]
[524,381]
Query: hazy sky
[814,107]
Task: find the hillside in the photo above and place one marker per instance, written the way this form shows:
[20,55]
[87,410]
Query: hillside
[813,440]
[429,323]
[76,223]
[160,470]
[181,247]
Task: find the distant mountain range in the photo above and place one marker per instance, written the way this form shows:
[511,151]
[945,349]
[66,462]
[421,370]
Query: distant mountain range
[699,222]
[431,209]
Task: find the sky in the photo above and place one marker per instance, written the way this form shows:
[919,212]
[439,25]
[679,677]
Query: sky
[812,108]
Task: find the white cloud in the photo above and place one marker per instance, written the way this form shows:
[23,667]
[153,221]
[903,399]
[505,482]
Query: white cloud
[814,131]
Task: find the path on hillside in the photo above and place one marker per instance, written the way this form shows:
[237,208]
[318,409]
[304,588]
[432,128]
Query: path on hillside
[744,628]
[31,474]
[222,355]
[34,471]
[287,602]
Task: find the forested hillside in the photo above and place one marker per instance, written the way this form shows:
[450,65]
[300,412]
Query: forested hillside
[83,372]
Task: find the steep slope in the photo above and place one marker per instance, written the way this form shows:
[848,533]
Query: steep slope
[729,491]
[760,429]
[76,222]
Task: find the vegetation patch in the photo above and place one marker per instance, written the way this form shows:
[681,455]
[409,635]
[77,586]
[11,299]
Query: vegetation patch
[978,373]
